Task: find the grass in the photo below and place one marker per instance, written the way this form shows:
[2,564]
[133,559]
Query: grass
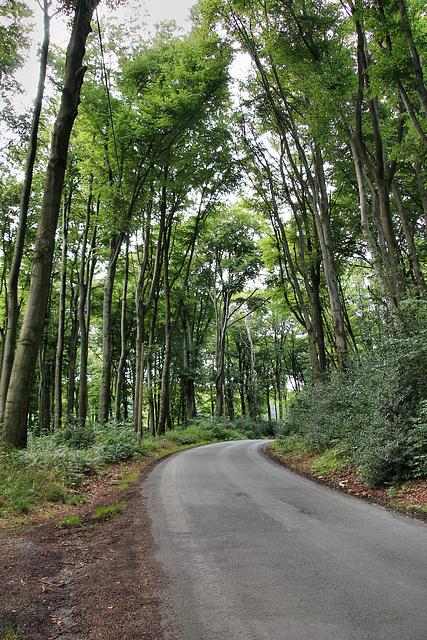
[293,444]
[55,468]
[329,461]
[8,633]
[110,511]
[70,522]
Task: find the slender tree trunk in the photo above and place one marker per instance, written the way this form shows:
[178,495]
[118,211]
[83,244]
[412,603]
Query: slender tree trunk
[72,353]
[422,188]
[152,421]
[413,254]
[221,316]
[123,341]
[187,349]
[252,361]
[61,320]
[419,75]
[17,402]
[164,406]
[376,167]
[87,268]
[12,303]
[105,388]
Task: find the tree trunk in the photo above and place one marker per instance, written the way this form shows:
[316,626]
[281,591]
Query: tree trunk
[16,409]
[12,302]
[252,361]
[105,388]
[87,268]
[61,320]
[72,353]
[188,381]
[221,317]
[123,341]
[413,254]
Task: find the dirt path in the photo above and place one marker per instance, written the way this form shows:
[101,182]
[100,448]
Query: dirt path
[99,579]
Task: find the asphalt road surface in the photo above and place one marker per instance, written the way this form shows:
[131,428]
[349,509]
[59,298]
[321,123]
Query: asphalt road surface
[253,551]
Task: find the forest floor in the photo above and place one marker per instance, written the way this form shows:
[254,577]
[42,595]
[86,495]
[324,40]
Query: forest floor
[89,572]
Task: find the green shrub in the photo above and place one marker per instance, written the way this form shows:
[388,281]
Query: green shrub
[76,435]
[376,412]
[203,430]
[254,430]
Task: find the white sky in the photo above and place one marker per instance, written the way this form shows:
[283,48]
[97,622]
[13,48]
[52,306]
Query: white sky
[140,11]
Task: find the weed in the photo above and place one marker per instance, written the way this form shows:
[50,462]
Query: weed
[78,499]
[392,492]
[328,462]
[294,443]
[8,633]
[70,522]
[110,511]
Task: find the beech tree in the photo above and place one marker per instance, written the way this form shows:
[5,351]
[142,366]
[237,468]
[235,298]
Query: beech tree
[14,432]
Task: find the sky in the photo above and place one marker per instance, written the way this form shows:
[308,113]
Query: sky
[143,11]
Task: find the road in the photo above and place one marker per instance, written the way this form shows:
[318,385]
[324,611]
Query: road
[253,551]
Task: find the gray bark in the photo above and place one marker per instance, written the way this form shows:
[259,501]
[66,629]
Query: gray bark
[14,431]
[12,302]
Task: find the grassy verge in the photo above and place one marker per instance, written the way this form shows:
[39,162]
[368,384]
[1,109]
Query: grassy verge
[58,468]
[333,468]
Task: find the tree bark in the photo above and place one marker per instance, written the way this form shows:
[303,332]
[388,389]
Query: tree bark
[105,387]
[14,431]
[123,340]
[57,418]
[188,363]
[72,353]
[12,302]
[87,268]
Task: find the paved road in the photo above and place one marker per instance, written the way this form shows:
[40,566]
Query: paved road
[255,552]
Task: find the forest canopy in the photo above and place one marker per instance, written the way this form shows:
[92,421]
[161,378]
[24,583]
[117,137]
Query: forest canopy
[182,239]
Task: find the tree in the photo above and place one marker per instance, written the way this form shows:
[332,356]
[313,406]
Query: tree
[14,431]
[231,260]
[12,301]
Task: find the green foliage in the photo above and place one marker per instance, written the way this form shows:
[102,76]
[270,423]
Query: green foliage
[376,415]
[110,511]
[9,633]
[294,443]
[330,461]
[76,435]
[203,430]
[52,467]
[70,522]
[254,430]
[23,486]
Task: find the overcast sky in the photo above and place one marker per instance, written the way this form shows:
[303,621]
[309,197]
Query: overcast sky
[141,11]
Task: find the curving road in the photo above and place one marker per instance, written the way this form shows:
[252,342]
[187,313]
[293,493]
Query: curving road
[252,551]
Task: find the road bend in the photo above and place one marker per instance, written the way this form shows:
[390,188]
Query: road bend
[252,551]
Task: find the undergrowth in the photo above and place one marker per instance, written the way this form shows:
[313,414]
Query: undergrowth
[374,415]
[53,466]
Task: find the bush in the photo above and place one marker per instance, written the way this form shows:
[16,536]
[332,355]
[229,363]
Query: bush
[376,413]
[76,435]
[203,430]
[255,430]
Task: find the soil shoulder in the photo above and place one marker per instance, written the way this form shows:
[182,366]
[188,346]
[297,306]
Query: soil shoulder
[408,499]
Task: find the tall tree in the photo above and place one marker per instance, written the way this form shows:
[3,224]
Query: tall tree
[12,301]
[14,432]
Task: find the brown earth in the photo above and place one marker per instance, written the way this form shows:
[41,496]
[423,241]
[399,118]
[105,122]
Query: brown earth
[70,574]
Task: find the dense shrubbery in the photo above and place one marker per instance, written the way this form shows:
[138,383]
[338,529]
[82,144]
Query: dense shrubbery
[376,415]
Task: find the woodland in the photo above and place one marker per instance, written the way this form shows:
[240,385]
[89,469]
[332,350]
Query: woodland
[225,225]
